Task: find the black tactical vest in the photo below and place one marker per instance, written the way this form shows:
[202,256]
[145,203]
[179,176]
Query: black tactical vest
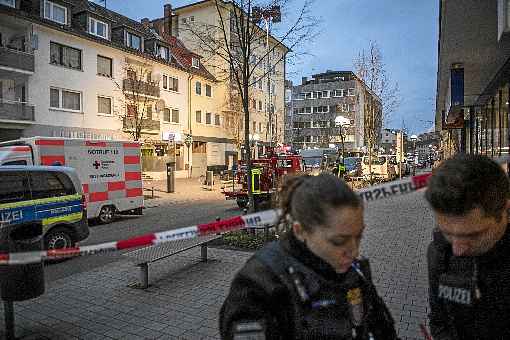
[324,309]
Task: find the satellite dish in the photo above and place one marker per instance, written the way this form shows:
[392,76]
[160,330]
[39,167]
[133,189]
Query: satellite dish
[160,105]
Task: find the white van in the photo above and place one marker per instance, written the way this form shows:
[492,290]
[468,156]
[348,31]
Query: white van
[110,171]
[383,167]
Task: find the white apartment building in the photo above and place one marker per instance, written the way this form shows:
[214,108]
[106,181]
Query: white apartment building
[267,92]
[65,70]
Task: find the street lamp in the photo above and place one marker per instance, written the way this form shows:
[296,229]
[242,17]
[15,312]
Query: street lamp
[342,122]
[414,138]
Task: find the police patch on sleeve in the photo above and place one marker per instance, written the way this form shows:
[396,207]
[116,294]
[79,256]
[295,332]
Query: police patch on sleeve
[249,330]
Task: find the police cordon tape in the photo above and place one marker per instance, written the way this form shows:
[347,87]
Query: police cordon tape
[255,220]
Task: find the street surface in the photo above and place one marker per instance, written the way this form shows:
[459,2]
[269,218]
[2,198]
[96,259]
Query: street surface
[91,297]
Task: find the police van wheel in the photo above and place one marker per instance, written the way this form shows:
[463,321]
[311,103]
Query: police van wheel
[107,214]
[58,239]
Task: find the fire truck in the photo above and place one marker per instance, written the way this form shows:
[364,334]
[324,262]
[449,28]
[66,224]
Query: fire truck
[266,175]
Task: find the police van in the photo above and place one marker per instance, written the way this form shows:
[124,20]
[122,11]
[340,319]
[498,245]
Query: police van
[50,195]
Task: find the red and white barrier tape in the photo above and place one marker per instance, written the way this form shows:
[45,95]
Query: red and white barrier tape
[259,219]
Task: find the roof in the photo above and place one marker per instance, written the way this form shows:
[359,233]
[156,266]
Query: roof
[179,51]
[228,2]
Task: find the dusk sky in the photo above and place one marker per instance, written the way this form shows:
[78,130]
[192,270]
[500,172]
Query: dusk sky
[406,31]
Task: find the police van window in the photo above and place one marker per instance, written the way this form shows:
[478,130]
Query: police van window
[18,162]
[12,187]
[50,184]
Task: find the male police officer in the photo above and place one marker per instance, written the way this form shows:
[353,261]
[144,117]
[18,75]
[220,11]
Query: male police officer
[469,257]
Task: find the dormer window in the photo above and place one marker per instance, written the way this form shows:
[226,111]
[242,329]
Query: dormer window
[134,41]
[163,52]
[55,12]
[98,28]
[10,3]
[195,62]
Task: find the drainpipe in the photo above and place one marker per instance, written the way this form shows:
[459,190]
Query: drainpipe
[190,148]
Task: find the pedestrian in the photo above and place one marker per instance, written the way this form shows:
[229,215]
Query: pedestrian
[469,257]
[310,283]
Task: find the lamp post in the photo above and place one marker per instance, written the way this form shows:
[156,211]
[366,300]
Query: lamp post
[414,138]
[188,140]
[268,15]
[341,122]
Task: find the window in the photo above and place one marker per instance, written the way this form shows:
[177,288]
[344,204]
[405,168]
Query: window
[208,118]
[260,84]
[10,3]
[195,62]
[208,90]
[65,56]
[163,52]
[170,83]
[50,184]
[131,74]
[198,116]
[254,103]
[254,127]
[104,105]
[175,116]
[260,127]
[166,115]
[12,187]
[321,109]
[309,95]
[260,105]
[198,88]
[322,94]
[134,41]
[98,28]
[350,92]
[131,110]
[55,12]
[339,93]
[217,120]
[65,99]
[104,66]
[148,112]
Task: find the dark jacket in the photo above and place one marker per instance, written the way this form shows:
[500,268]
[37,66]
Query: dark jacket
[487,277]
[308,301]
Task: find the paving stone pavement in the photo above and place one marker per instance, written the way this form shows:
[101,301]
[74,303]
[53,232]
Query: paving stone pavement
[186,294]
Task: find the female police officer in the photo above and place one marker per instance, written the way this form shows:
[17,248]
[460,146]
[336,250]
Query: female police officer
[309,285]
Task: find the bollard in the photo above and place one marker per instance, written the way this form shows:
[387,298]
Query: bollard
[170,177]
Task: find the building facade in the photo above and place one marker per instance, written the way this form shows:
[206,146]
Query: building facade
[318,101]
[76,69]
[473,77]
[388,140]
[267,91]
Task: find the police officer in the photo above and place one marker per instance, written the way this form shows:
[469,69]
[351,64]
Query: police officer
[469,258]
[309,284]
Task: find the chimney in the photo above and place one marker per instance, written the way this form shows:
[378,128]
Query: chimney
[167,19]
[145,22]
[303,80]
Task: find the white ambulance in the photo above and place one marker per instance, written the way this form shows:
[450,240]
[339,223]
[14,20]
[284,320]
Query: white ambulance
[110,171]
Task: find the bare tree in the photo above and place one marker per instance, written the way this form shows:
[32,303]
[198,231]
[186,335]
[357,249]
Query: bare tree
[370,68]
[139,93]
[236,51]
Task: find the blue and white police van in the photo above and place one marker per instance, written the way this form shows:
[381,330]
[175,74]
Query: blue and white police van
[49,195]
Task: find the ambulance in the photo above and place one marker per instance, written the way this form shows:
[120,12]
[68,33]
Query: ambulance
[109,171]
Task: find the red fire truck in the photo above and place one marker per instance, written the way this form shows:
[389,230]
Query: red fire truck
[266,175]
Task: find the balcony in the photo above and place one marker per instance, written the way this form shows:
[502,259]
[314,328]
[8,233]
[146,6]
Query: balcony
[16,60]
[134,87]
[11,110]
[147,124]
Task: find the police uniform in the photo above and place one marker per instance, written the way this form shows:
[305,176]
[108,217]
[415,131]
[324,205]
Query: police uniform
[286,292]
[469,296]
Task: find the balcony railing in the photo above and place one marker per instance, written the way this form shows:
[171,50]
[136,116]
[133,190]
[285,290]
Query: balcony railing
[146,124]
[16,110]
[134,87]
[17,60]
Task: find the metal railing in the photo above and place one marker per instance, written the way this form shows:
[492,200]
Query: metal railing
[16,59]
[14,110]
